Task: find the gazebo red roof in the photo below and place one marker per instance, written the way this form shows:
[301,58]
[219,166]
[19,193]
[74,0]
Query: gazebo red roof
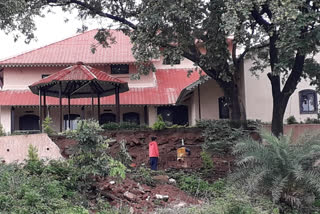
[170,83]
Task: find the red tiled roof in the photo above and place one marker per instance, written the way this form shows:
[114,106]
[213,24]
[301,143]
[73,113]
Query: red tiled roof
[170,83]
[76,48]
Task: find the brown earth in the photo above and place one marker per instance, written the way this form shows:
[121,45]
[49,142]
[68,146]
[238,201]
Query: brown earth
[139,197]
[169,140]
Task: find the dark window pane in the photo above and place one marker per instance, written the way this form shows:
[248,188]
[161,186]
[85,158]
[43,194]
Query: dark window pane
[29,122]
[131,117]
[73,121]
[119,69]
[174,114]
[223,108]
[107,117]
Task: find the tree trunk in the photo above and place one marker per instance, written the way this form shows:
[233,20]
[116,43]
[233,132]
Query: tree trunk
[277,116]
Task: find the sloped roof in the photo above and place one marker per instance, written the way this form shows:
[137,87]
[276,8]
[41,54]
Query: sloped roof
[81,81]
[170,82]
[74,49]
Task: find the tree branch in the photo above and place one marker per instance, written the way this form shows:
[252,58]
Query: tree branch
[96,11]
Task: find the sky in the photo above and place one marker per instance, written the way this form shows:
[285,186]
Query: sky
[50,29]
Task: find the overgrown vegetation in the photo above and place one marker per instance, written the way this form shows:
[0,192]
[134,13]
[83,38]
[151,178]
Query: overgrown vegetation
[2,132]
[61,186]
[291,120]
[285,172]
[207,163]
[123,126]
[47,126]
[123,156]
[159,124]
[220,135]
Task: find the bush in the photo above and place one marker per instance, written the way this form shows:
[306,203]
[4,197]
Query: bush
[123,155]
[91,151]
[47,126]
[2,132]
[311,121]
[219,135]
[159,124]
[123,126]
[283,171]
[291,120]
[207,162]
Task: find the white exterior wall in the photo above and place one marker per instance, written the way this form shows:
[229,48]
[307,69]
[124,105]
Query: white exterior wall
[258,94]
[6,118]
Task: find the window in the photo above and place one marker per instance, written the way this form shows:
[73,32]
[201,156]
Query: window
[308,102]
[223,108]
[107,118]
[131,117]
[119,69]
[29,122]
[74,118]
[167,61]
[174,114]
[44,75]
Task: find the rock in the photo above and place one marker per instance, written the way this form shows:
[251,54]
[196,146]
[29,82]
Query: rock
[172,181]
[162,197]
[180,205]
[128,195]
[161,178]
[112,182]
[131,210]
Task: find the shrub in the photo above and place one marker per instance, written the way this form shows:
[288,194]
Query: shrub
[283,171]
[143,175]
[159,124]
[207,162]
[91,151]
[47,126]
[291,120]
[312,121]
[2,132]
[123,126]
[219,135]
[123,155]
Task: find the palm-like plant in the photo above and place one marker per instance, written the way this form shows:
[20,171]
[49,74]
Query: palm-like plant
[278,168]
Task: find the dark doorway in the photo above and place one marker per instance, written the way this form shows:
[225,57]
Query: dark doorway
[107,118]
[29,122]
[223,108]
[174,114]
[131,117]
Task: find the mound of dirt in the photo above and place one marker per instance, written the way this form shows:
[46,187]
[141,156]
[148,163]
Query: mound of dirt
[142,198]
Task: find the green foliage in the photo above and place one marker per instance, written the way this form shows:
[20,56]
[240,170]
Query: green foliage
[311,121]
[47,126]
[219,135]
[2,132]
[283,171]
[291,120]
[207,162]
[123,126]
[91,151]
[117,169]
[159,124]
[123,155]
[143,175]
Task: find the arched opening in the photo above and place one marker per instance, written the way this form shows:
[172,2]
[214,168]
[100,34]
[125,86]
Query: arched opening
[107,118]
[74,118]
[131,117]
[308,102]
[29,122]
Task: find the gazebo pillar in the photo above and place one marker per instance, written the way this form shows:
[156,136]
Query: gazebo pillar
[117,104]
[40,110]
[60,106]
[98,108]
[69,111]
[92,106]
[44,104]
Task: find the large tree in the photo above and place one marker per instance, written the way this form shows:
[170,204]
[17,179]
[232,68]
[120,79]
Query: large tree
[175,29]
[291,29]
[17,17]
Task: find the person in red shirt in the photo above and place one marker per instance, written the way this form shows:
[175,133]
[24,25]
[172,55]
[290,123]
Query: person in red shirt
[153,153]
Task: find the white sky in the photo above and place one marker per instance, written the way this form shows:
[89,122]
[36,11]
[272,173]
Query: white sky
[50,29]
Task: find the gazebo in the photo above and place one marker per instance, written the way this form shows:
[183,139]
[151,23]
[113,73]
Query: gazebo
[78,81]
